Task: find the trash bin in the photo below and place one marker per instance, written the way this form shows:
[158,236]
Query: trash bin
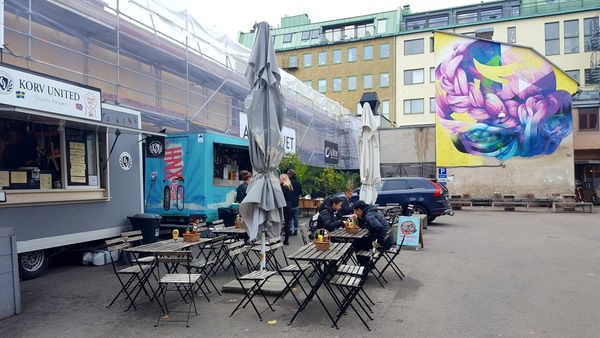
[149,224]
[10,294]
[228,216]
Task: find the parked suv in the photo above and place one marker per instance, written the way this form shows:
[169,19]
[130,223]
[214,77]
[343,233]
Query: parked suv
[426,196]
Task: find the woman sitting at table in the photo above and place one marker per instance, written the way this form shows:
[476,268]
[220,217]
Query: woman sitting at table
[328,217]
[379,229]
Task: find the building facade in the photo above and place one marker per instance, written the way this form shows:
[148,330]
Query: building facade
[563,31]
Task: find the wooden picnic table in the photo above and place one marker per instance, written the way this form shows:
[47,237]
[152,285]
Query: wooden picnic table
[236,233]
[166,246]
[324,263]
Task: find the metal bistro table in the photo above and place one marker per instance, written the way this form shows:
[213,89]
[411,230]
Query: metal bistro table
[168,245]
[324,264]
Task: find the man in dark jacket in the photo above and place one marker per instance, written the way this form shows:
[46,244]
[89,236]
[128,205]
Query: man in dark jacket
[328,218]
[379,230]
[346,204]
[296,193]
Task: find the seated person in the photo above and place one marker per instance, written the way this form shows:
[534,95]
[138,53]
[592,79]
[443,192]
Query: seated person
[328,218]
[379,229]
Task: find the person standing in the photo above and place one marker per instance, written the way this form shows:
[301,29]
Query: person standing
[287,189]
[242,188]
[296,193]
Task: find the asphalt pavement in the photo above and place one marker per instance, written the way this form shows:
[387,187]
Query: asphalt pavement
[481,274]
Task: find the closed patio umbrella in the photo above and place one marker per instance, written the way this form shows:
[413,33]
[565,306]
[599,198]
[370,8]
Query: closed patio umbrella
[262,208]
[369,162]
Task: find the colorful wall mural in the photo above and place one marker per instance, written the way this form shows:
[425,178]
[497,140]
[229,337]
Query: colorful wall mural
[496,102]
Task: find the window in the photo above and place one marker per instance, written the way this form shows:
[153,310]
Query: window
[337,56]
[322,86]
[293,61]
[305,35]
[337,84]
[438,21]
[432,106]
[588,118]
[571,36]
[322,58]
[466,17]
[368,81]
[358,109]
[381,26]
[368,53]
[351,82]
[574,74]
[431,74]
[350,32]
[414,106]
[315,33]
[412,24]
[287,38]
[384,80]
[413,76]
[431,45]
[592,77]
[308,83]
[412,47]
[352,54]
[552,32]
[511,34]
[307,60]
[385,108]
[390,185]
[384,51]
[589,25]
[491,14]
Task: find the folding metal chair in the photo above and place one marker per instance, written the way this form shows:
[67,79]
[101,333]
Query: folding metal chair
[350,284]
[250,283]
[129,275]
[185,281]
[389,256]
[135,238]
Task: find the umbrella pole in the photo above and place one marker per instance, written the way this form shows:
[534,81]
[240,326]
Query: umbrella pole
[262,251]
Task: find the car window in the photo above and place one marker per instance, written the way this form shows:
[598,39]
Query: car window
[416,184]
[394,185]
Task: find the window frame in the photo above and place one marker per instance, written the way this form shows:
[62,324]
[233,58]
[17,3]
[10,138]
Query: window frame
[587,33]
[304,65]
[365,82]
[577,77]
[349,53]
[319,85]
[588,112]
[333,59]
[379,30]
[412,72]
[422,46]
[381,56]
[333,81]
[305,36]
[410,102]
[552,39]
[293,64]
[432,105]
[431,74]
[319,54]
[355,83]
[287,38]
[571,36]
[365,48]
[383,112]
[388,80]
[514,34]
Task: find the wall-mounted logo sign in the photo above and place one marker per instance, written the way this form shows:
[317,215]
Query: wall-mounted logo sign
[331,153]
[155,147]
[6,83]
[125,161]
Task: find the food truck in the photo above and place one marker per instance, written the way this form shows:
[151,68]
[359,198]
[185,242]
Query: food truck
[194,176]
[70,165]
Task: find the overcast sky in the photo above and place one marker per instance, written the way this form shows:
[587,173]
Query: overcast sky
[231,16]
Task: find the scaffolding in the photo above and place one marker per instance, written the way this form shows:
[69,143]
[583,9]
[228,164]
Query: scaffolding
[180,74]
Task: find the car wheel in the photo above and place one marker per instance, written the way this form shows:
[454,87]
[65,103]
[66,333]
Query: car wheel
[33,264]
[420,210]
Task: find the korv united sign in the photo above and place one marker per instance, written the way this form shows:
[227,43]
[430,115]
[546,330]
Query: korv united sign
[23,89]
[331,152]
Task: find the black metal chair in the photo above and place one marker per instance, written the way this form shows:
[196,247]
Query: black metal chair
[183,282]
[130,278]
[389,256]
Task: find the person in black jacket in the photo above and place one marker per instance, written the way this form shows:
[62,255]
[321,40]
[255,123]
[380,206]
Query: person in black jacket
[296,193]
[379,230]
[328,218]
[242,188]
[287,189]
[346,204]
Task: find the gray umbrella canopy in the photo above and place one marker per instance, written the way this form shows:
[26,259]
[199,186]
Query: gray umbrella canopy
[265,106]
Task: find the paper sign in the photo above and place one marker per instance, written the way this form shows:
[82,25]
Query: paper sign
[18,177]
[77,152]
[409,227]
[46,181]
[93,181]
[77,172]
[77,159]
[76,145]
[4,179]
[77,179]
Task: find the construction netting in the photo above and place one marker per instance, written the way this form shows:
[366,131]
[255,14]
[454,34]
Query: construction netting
[153,57]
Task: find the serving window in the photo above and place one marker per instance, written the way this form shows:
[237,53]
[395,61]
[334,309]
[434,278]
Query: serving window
[45,155]
[228,161]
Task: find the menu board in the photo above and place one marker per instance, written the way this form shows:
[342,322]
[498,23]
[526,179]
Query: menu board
[76,156]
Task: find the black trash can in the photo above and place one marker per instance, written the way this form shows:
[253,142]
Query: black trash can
[228,216]
[149,224]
